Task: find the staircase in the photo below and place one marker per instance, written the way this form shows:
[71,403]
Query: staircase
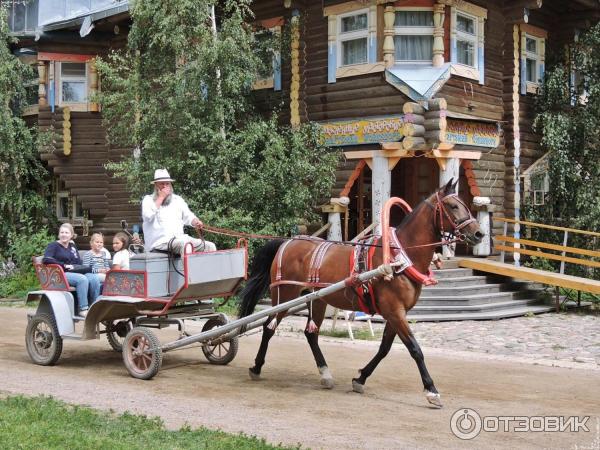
[463,295]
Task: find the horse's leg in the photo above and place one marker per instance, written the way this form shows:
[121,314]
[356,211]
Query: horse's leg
[313,325]
[279,295]
[400,322]
[386,344]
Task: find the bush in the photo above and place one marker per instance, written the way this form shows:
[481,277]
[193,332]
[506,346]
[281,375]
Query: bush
[25,244]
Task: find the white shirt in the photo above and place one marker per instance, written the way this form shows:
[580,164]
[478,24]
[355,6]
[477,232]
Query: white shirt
[122,259]
[165,222]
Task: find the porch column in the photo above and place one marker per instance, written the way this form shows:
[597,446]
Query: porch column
[381,186]
[451,171]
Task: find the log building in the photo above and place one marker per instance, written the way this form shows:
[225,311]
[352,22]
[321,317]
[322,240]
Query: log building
[415,92]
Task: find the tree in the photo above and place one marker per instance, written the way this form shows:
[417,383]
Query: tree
[569,121]
[24,181]
[180,94]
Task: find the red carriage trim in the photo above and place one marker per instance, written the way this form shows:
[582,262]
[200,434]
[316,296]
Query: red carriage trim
[131,283]
[51,277]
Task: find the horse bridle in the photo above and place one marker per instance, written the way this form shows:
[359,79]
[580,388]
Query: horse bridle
[440,211]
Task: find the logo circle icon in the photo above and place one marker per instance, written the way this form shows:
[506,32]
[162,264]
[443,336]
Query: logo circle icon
[465,424]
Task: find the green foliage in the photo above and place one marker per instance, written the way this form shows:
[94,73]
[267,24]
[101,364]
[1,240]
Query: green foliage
[42,422]
[23,179]
[184,98]
[27,243]
[17,286]
[569,120]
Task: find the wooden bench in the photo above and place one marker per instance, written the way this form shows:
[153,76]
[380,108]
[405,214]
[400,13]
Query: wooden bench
[532,248]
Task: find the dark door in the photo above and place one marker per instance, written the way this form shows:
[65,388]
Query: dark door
[413,179]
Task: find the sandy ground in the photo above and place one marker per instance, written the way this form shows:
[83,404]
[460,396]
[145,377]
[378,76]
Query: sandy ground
[288,406]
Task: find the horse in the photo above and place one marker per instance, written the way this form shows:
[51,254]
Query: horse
[285,266]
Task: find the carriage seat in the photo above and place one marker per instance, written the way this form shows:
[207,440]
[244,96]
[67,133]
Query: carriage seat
[51,276]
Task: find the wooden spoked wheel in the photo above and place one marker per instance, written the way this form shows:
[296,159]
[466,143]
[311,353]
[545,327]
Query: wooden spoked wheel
[44,343]
[142,354]
[219,353]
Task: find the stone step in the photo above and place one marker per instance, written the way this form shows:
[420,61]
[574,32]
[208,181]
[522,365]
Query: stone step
[487,315]
[459,281]
[459,309]
[452,273]
[463,288]
[475,297]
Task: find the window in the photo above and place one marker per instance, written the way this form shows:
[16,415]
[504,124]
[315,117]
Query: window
[467,41]
[413,36]
[533,48]
[73,82]
[353,38]
[532,59]
[22,15]
[266,44]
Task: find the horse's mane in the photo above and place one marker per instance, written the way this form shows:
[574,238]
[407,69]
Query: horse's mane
[408,217]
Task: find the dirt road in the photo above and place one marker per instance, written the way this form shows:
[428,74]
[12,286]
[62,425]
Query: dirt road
[288,405]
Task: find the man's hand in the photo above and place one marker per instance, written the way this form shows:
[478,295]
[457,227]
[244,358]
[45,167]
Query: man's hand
[197,224]
[163,190]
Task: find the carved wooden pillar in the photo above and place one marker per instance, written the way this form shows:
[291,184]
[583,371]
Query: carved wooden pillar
[295,67]
[43,81]
[93,106]
[438,34]
[389,17]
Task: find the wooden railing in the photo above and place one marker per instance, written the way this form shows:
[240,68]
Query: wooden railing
[579,256]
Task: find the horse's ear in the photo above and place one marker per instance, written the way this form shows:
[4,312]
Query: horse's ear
[448,188]
[455,186]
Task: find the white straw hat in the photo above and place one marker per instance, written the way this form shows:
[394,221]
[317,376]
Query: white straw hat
[161,175]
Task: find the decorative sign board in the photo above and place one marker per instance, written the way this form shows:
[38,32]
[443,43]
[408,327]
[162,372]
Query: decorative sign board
[478,134]
[372,130]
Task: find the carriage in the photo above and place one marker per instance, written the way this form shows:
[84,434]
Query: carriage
[159,290]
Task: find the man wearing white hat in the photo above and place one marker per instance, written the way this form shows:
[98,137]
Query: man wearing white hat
[165,214]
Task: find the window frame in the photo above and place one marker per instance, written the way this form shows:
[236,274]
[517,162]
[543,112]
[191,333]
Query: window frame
[464,36]
[274,81]
[537,57]
[413,31]
[479,16]
[352,35]
[61,78]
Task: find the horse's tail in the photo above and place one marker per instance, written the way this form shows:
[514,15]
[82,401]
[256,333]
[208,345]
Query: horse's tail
[260,277]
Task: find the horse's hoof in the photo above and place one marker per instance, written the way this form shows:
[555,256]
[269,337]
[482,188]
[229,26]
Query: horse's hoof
[358,387]
[433,398]
[253,376]
[326,378]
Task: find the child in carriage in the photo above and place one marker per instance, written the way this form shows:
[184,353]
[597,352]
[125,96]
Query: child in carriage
[98,258]
[121,248]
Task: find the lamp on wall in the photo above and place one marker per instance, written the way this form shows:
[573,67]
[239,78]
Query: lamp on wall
[287,3]
[526,15]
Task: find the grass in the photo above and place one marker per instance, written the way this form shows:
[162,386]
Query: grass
[358,334]
[42,422]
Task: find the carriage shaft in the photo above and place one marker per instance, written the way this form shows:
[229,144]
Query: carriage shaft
[261,316]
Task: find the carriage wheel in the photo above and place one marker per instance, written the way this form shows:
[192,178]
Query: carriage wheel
[43,341]
[116,332]
[223,352]
[142,354]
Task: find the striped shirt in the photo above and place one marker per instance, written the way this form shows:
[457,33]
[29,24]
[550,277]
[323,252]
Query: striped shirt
[97,262]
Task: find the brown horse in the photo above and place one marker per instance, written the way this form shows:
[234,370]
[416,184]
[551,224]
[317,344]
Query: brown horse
[442,212]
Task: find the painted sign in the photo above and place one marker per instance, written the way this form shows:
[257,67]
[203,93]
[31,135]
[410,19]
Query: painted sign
[363,131]
[479,134]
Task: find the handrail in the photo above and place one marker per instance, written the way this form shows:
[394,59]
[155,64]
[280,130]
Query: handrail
[321,230]
[364,232]
[560,248]
[549,227]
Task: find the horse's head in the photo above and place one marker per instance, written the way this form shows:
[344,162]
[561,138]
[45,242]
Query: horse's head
[453,216]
